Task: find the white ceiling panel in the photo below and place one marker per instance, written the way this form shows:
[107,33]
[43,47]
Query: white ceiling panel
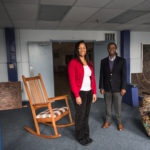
[89,25]
[66,28]
[105,14]
[86,28]
[68,24]
[141,20]
[3,14]
[22,11]
[5,24]
[57,2]
[79,14]
[4,19]
[126,27]
[92,3]
[142,28]
[108,26]
[45,28]
[123,4]
[143,6]
[47,24]
[24,24]
[127,16]
[22,1]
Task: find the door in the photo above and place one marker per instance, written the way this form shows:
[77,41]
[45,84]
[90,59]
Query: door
[41,61]
[100,52]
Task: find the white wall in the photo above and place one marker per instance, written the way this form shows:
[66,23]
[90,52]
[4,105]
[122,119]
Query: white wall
[3,58]
[137,39]
[24,36]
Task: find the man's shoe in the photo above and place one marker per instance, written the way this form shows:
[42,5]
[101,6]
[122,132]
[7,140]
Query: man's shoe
[120,127]
[106,125]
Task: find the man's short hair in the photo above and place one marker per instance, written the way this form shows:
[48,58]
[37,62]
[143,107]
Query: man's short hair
[112,43]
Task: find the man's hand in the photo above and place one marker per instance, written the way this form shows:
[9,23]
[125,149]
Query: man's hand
[78,100]
[94,98]
[123,91]
[102,91]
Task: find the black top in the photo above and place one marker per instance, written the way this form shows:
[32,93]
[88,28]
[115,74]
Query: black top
[114,80]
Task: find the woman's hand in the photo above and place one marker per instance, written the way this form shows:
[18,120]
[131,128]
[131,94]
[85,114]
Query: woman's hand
[78,100]
[94,98]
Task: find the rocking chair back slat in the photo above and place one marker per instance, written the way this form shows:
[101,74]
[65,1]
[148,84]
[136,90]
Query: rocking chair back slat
[43,87]
[29,86]
[33,91]
[38,85]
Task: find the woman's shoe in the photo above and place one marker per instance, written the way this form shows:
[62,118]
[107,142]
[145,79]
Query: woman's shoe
[89,140]
[83,142]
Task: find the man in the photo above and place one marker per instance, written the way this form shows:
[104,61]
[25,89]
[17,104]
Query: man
[113,84]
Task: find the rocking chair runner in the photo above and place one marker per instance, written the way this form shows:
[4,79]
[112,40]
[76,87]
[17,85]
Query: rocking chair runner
[38,98]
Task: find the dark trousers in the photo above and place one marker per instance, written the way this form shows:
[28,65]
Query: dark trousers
[116,99]
[82,114]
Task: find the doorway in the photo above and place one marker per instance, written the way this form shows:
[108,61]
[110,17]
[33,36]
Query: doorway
[63,52]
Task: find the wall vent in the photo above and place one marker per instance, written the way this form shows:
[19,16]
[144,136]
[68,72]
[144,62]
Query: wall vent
[109,37]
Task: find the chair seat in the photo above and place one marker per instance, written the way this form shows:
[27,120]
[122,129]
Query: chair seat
[56,111]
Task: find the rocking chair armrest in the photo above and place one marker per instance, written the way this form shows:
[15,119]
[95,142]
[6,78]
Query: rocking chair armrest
[57,98]
[36,106]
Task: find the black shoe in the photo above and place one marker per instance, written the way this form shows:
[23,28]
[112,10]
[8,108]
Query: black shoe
[83,142]
[89,140]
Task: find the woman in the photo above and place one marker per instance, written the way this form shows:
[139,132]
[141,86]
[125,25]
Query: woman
[83,90]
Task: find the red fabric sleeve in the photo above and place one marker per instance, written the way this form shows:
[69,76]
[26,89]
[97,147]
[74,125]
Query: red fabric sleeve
[71,73]
[93,79]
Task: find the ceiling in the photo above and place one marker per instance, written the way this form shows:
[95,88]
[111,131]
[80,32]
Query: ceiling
[76,14]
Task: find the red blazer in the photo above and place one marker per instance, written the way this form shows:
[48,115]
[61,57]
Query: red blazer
[76,74]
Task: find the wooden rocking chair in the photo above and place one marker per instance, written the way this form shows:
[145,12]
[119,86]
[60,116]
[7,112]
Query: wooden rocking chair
[38,98]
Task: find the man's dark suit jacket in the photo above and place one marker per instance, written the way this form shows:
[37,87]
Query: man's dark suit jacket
[116,80]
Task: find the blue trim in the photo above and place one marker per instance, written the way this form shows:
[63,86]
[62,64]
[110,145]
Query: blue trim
[125,50]
[131,97]
[11,54]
